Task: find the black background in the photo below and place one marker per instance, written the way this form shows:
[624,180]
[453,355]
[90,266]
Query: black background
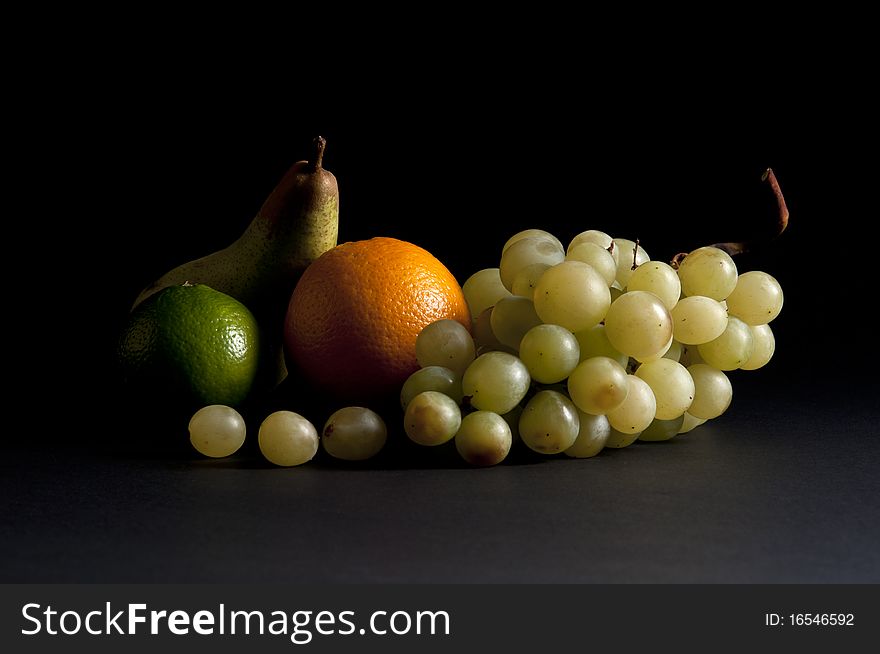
[165,155]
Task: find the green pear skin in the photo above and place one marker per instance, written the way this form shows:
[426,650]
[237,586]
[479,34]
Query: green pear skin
[297,223]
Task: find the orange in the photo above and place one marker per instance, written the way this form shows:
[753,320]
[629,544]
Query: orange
[354,316]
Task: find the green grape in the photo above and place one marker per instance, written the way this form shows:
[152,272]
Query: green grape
[601,239]
[526,252]
[639,325]
[707,271]
[483,439]
[445,343]
[526,279]
[625,263]
[757,298]
[662,430]
[550,352]
[592,435]
[658,278]
[572,294]
[432,378]
[763,347]
[598,385]
[484,338]
[217,430]
[511,318]
[594,343]
[674,352]
[354,433]
[496,381]
[672,385]
[713,391]
[698,319]
[483,289]
[617,440]
[549,423]
[531,233]
[596,256]
[637,410]
[730,350]
[431,418]
[689,423]
[287,439]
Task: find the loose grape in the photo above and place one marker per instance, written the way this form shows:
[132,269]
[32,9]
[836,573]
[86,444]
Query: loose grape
[217,430]
[354,433]
[483,439]
[431,418]
[287,439]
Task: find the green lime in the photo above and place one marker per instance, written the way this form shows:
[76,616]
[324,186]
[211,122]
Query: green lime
[191,345]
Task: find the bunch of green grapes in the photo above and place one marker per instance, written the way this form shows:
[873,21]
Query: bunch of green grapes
[575,349]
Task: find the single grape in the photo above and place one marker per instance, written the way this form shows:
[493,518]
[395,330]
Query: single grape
[354,433]
[637,410]
[511,318]
[495,381]
[596,256]
[572,294]
[550,352]
[598,385]
[730,350]
[672,385]
[526,279]
[445,343]
[483,289]
[526,252]
[431,418]
[713,391]
[483,439]
[689,423]
[484,338]
[531,233]
[757,298]
[594,342]
[763,347]
[626,262]
[549,423]
[617,440]
[662,430]
[658,278]
[708,271]
[287,439]
[432,378]
[698,319]
[639,325]
[592,435]
[601,239]
[217,430]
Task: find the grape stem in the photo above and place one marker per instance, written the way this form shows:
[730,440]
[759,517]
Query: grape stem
[635,254]
[738,247]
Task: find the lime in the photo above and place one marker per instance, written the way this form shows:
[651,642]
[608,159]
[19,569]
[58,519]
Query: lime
[190,345]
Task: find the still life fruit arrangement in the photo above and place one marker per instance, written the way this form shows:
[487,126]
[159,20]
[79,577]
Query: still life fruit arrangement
[558,348]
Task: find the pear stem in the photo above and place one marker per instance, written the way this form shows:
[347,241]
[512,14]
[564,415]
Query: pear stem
[319,143]
[738,247]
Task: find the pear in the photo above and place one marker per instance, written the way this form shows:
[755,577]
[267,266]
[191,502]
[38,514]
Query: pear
[297,223]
